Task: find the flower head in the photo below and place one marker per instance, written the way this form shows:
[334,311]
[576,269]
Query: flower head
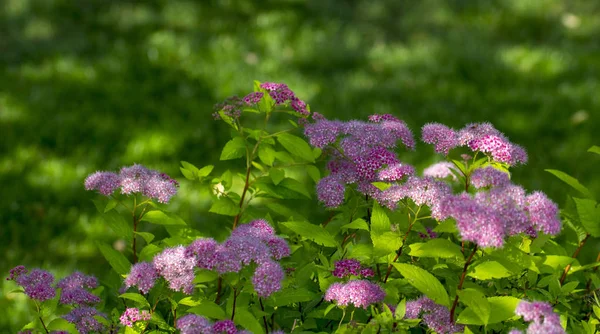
[104,182]
[360,293]
[133,315]
[83,319]
[440,170]
[143,275]
[267,278]
[74,289]
[194,324]
[435,316]
[542,317]
[224,326]
[37,283]
[176,268]
[443,137]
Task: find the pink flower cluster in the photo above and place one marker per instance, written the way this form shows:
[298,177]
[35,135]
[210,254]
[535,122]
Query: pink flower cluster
[422,191]
[435,316]
[542,317]
[282,94]
[479,137]
[351,267]
[361,153]
[254,242]
[195,324]
[360,293]
[136,179]
[133,315]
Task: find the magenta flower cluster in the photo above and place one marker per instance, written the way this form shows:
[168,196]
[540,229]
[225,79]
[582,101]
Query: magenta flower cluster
[360,293]
[133,315]
[479,137]
[542,317]
[254,242]
[37,284]
[195,324]
[136,179]
[282,94]
[435,316]
[351,267]
[361,153]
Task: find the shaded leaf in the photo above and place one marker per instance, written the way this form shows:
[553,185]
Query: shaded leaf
[573,182]
[425,282]
[116,260]
[315,233]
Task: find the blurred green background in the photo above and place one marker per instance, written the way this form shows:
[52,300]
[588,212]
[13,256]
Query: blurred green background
[95,84]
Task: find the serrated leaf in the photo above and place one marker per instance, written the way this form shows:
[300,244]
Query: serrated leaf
[136,297]
[589,215]
[447,226]
[208,309]
[380,222]
[358,224]
[277,175]
[573,182]
[438,248]
[568,288]
[477,302]
[163,218]
[224,206]
[148,237]
[315,233]
[296,146]
[233,149]
[116,260]
[490,270]
[425,282]
[60,324]
[203,276]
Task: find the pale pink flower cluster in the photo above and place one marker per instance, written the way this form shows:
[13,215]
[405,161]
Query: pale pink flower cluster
[360,293]
[133,315]
[542,317]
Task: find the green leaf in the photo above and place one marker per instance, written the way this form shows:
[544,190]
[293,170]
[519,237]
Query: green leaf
[296,186]
[594,149]
[447,226]
[208,309]
[477,302]
[383,186]
[148,237]
[60,324]
[380,223]
[277,175]
[489,270]
[313,172]
[358,224]
[224,206]
[589,215]
[203,276]
[438,248]
[266,154]
[400,310]
[425,282]
[116,260]
[296,146]
[187,174]
[190,301]
[247,320]
[315,233]
[385,243]
[148,252]
[112,203]
[136,297]
[461,166]
[501,309]
[118,224]
[235,148]
[290,296]
[189,167]
[163,218]
[205,171]
[573,182]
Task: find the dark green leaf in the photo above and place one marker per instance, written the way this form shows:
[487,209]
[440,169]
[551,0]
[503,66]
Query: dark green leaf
[148,252]
[438,247]
[112,203]
[235,148]
[589,215]
[295,186]
[136,297]
[116,260]
[289,296]
[208,309]
[313,172]
[148,237]
[296,146]
[277,175]
[573,182]
[224,206]
[425,282]
[315,233]
[247,320]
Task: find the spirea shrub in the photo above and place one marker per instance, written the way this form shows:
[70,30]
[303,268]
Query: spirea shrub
[458,246]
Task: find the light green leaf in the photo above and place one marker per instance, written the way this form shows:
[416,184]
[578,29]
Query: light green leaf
[60,324]
[385,243]
[447,226]
[235,148]
[112,203]
[116,260]
[313,172]
[589,215]
[573,182]
[296,146]
[189,166]
[247,320]
[190,301]
[205,171]
[380,223]
[187,174]
[400,310]
[315,233]
[594,149]
[425,282]
[502,308]
[148,252]
[383,186]
[163,218]
[266,154]
[136,297]
[277,175]
[148,237]
[359,224]
[224,206]
[477,302]
[203,276]
[208,309]
[295,186]
[439,248]
[489,270]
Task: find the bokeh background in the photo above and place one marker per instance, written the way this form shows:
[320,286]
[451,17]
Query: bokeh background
[96,84]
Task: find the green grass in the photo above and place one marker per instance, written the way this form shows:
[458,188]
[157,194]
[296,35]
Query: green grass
[96,84]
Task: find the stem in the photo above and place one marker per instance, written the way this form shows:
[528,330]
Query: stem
[235,294]
[219,287]
[589,282]
[135,223]
[40,317]
[264,317]
[343,316]
[460,283]
[399,252]
[575,254]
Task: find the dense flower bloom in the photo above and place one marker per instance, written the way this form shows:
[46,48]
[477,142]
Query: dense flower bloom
[435,316]
[489,177]
[423,191]
[253,98]
[176,268]
[83,319]
[443,137]
[347,267]
[282,94]
[232,107]
[323,133]
[105,182]
[360,293]
[330,191]
[540,314]
[134,179]
[204,251]
[543,213]
[440,170]
[37,283]
[74,289]
[143,275]
[194,324]
[267,278]
[133,315]
[395,172]
[224,326]
[499,148]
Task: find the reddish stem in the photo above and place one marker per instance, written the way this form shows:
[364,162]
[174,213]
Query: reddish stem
[460,283]
[575,254]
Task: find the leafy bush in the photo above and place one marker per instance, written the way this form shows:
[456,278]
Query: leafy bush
[460,248]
